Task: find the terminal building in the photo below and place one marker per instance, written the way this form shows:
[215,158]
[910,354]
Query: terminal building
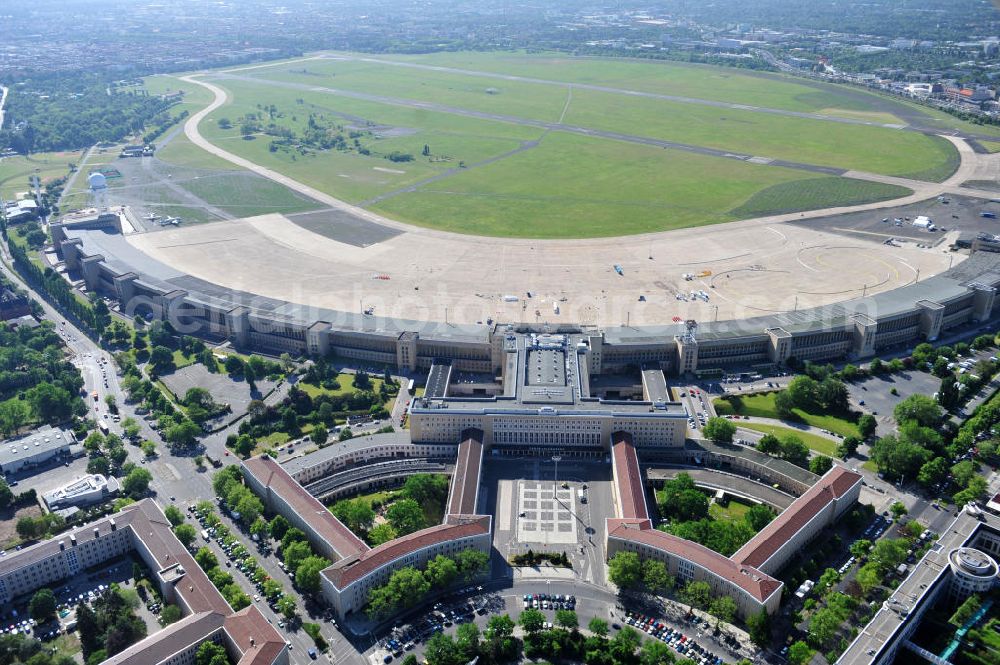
[854,329]
[544,402]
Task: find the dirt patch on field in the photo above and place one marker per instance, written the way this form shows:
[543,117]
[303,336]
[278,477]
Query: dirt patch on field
[8,524]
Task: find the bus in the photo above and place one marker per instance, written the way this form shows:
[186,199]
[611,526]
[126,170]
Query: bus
[410,387]
[103,426]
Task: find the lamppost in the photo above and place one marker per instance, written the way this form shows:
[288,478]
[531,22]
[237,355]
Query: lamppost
[555,483]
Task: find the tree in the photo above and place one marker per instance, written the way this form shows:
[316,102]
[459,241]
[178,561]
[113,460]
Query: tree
[136,482]
[6,495]
[279,527]
[625,570]
[307,574]
[598,626]
[804,392]
[963,472]
[920,408]
[426,487]
[531,620]
[698,594]
[472,562]
[769,444]
[655,576]
[130,428]
[897,458]
[441,571]
[210,653]
[171,614]
[319,435]
[820,464]
[784,405]
[286,605]
[405,516]
[964,612]
[442,650]
[183,434]
[898,509]
[295,553]
[848,446]
[859,548]
[867,425]
[467,641]
[148,449]
[948,394]
[799,653]
[655,652]
[724,608]
[381,533]
[161,359]
[499,634]
[759,626]
[43,605]
[567,619]
[173,515]
[719,430]
[758,516]
[185,533]
[50,403]
[206,559]
[357,515]
[794,451]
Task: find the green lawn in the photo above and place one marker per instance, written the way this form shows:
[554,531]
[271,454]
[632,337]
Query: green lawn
[761,405]
[491,178]
[181,152]
[731,512]
[576,186]
[346,382]
[991,146]
[814,193]
[815,442]
[244,194]
[859,147]
[14,171]
[670,78]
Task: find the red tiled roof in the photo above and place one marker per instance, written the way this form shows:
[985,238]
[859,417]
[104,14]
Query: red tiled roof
[256,639]
[329,528]
[757,584]
[835,484]
[348,571]
[628,479]
[465,478]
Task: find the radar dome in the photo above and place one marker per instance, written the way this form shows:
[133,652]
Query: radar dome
[97,181]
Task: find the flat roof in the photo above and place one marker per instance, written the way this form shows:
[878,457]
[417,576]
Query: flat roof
[43,440]
[465,478]
[356,444]
[349,570]
[833,485]
[918,586]
[272,476]
[438,379]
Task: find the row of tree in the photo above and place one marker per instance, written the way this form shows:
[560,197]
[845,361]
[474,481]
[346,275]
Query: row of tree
[408,586]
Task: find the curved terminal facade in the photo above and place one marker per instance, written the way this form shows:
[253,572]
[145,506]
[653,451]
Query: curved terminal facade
[94,249]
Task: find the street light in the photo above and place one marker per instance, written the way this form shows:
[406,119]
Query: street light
[555,484]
